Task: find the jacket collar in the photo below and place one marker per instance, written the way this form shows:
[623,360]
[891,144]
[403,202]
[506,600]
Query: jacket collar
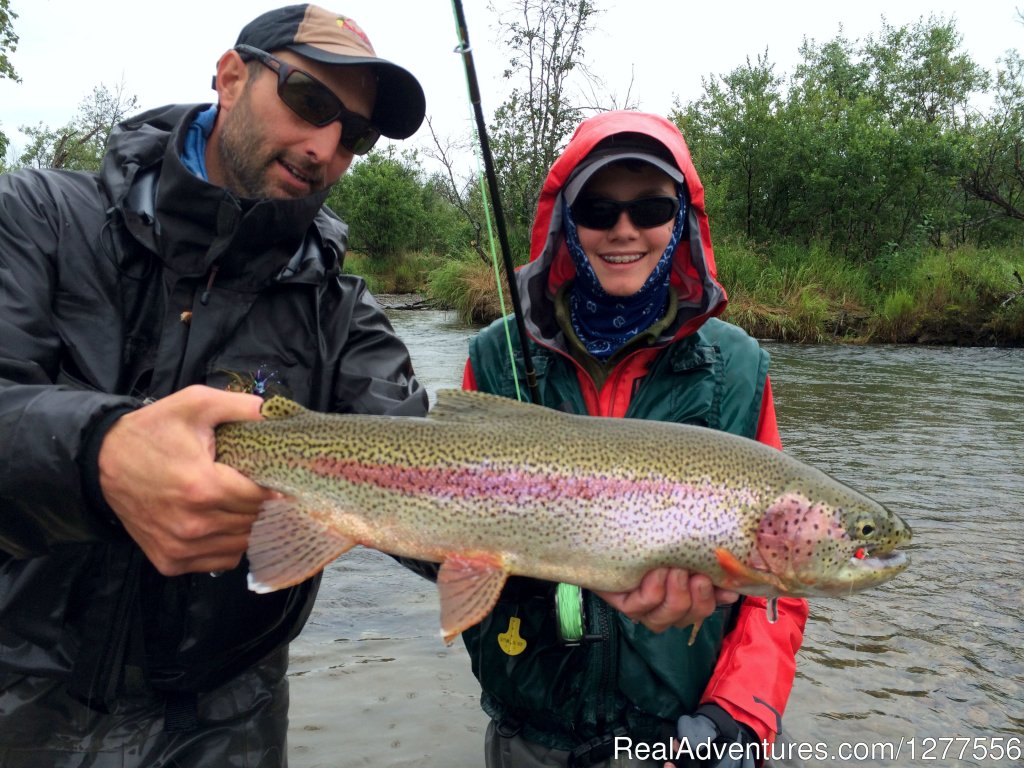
[193,225]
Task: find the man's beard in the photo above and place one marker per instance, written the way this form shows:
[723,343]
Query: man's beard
[246,165]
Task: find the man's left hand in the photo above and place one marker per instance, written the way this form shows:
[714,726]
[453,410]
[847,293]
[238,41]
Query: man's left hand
[670,597]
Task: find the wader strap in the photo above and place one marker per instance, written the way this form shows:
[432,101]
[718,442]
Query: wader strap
[596,751]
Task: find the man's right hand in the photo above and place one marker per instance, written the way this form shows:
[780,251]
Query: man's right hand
[188,513]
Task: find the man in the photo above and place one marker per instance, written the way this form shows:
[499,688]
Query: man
[138,306]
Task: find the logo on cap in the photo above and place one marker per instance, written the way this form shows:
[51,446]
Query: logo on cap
[346,23]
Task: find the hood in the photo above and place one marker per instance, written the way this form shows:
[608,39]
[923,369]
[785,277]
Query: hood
[693,274]
[193,225]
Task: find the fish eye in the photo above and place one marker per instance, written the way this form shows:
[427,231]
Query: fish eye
[865,528]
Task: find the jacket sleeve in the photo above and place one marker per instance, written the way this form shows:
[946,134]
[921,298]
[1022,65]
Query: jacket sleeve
[468,377]
[45,421]
[755,670]
[767,426]
[375,371]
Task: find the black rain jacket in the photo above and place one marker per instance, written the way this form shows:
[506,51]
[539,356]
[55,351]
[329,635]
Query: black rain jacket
[132,284]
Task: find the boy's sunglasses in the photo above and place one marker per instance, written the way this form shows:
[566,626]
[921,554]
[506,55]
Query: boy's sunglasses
[644,212]
[314,102]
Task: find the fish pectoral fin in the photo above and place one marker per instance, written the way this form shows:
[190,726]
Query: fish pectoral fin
[469,588]
[287,546]
[741,575]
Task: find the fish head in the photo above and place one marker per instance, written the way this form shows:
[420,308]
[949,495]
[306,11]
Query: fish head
[831,543]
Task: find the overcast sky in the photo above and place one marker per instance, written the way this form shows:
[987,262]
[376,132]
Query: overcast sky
[166,51]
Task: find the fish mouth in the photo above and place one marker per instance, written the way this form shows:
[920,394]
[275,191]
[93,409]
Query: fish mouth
[859,573]
[893,561]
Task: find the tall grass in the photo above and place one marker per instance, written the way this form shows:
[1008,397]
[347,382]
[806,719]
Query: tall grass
[895,318]
[792,294]
[401,273]
[964,296]
[803,294]
[467,286]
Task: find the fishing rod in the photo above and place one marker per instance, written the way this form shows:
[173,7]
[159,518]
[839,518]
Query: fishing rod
[492,184]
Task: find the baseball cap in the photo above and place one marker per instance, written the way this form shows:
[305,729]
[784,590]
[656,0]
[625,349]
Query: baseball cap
[616,149]
[337,40]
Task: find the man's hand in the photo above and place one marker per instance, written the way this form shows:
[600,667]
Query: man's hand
[188,513]
[670,597]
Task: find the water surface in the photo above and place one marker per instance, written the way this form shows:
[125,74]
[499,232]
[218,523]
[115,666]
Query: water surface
[923,663]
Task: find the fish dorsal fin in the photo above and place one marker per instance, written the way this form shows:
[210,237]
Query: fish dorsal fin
[279,407]
[459,405]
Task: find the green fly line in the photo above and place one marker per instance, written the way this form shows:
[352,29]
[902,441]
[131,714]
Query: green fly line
[569,609]
[490,235]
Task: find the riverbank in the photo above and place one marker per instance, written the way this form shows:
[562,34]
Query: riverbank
[961,297]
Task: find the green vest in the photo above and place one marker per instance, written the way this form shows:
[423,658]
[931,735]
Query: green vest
[621,674]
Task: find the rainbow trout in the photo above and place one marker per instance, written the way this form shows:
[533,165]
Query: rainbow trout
[490,487]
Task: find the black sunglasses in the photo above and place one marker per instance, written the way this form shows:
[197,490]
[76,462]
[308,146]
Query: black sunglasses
[315,103]
[644,212]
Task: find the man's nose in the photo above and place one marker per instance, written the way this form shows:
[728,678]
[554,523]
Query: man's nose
[323,142]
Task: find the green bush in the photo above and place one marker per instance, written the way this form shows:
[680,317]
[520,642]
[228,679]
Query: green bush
[391,209]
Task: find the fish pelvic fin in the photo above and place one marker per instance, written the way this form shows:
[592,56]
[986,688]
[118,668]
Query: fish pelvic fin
[693,632]
[469,587]
[287,545]
[740,575]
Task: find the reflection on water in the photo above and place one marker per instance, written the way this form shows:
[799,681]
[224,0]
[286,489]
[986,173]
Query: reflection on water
[936,435]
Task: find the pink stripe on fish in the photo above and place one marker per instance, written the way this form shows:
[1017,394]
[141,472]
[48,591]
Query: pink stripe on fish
[495,484]
[516,485]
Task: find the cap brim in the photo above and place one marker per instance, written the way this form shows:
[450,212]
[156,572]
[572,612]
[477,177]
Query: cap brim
[592,164]
[400,106]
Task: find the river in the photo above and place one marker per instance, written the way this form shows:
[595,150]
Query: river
[930,665]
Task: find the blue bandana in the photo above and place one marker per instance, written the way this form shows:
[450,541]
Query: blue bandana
[193,156]
[604,323]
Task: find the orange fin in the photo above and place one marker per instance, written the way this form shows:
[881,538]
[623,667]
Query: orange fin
[693,632]
[469,588]
[741,575]
[287,545]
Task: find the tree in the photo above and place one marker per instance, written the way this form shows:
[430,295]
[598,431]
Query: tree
[389,208]
[863,151]
[462,194]
[996,173]
[80,144]
[733,130]
[919,72]
[8,41]
[545,38]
